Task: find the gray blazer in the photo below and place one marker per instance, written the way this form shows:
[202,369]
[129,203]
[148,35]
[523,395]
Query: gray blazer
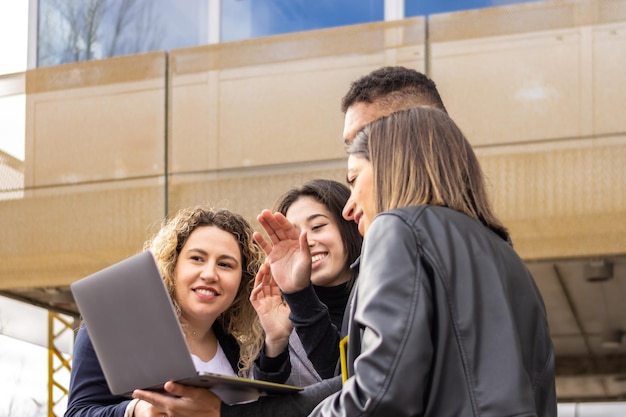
[303,372]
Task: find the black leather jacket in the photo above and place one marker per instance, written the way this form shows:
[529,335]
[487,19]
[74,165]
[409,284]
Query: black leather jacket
[447,321]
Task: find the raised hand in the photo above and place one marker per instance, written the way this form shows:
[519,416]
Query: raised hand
[288,253]
[272,310]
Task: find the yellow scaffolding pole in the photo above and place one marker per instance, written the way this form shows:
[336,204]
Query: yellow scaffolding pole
[59,363]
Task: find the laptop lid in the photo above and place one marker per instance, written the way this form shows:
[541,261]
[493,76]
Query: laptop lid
[138,339]
[133,325]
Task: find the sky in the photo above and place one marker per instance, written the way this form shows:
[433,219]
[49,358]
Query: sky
[24,381]
[24,360]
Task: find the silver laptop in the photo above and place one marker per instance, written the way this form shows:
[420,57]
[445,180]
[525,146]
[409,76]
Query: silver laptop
[138,339]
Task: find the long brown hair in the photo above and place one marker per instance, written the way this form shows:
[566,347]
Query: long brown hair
[420,156]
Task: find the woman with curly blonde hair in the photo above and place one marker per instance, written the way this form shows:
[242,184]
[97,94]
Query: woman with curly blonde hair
[208,260]
[239,319]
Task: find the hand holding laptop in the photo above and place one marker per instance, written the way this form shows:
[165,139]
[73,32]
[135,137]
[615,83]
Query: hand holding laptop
[182,400]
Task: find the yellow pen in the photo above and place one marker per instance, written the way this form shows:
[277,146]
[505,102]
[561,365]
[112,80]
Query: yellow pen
[343,357]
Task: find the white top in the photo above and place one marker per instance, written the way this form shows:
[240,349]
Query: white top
[218,365]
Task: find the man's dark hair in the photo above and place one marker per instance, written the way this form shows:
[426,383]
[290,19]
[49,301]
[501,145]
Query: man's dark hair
[392,86]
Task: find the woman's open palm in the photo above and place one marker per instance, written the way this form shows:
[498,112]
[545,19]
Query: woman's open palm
[287,252]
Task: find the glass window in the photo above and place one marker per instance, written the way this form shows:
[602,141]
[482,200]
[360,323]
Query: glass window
[426,7]
[243,19]
[79,30]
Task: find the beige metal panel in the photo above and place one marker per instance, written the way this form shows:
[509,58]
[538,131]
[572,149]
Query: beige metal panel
[555,78]
[288,116]
[12,114]
[62,234]
[524,18]
[95,121]
[194,125]
[247,191]
[363,39]
[102,72]
[609,78]
[513,88]
[561,199]
[276,100]
[549,92]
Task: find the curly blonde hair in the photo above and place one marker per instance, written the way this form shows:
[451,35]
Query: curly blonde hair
[240,320]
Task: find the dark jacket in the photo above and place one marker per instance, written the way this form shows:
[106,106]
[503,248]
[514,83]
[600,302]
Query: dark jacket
[446,321]
[89,394]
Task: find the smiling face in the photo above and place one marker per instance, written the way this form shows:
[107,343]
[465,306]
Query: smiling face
[329,257]
[207,274]
[360,207]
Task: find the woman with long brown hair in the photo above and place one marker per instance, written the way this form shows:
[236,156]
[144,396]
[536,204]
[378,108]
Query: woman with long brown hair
[447,320]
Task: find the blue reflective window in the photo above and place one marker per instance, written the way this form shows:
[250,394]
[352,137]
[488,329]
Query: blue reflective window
[243,19]
[426,7]
[79,30]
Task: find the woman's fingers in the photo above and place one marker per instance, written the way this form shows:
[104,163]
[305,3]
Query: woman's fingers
[262,283]
[152,397]
[277,227]
[264,244]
